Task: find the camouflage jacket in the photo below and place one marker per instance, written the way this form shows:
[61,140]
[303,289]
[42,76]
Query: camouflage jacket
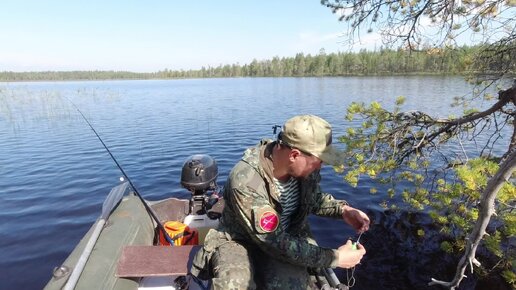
[250,195]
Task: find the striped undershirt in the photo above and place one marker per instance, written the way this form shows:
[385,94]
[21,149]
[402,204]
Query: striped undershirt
[289,199]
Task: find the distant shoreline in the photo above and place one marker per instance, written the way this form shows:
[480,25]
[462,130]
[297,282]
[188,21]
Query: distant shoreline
[386,62]
[18,80]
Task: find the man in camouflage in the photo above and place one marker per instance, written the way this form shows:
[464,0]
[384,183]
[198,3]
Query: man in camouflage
[260,246]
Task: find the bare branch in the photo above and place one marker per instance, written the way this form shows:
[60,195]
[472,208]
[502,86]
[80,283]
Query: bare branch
[445,126]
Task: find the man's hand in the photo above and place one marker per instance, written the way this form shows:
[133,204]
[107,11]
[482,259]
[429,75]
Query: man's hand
[355,218]
[348,257]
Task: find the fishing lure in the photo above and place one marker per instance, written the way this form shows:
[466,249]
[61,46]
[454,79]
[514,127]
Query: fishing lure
[355,244]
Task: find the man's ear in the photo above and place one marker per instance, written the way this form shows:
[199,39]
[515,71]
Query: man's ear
[294,153]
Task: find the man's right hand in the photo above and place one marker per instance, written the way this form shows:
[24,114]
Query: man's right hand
[348,257]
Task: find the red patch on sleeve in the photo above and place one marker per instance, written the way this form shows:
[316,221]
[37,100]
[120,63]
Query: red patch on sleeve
[269,221]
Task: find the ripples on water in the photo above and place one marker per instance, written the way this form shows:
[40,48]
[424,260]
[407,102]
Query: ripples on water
[55,174]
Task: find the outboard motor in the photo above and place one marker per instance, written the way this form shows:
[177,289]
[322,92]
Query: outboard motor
[199,176]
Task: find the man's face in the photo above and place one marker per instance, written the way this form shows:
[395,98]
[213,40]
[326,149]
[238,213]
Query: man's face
[303,164]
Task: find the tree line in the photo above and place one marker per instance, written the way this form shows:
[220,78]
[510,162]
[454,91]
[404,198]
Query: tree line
[383,62]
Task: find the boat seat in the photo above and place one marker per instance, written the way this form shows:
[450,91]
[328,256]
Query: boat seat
[153,261]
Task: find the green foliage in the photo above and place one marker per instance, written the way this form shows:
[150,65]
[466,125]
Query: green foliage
[454,204]
[447,247]
[510,224]
[510,277]
[492,242]
[373,149]
[400,100]
[470,111]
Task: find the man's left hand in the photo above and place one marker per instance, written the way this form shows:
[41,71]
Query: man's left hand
[355,218]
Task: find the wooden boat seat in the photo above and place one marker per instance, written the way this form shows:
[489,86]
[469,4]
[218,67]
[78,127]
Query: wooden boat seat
[149,261]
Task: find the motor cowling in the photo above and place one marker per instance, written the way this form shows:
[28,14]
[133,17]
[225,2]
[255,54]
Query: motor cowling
[199,173]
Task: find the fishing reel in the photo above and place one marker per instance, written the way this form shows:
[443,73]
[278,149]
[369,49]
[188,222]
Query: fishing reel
[199,176]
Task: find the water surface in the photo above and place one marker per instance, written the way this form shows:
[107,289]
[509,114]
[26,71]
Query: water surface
[55,174]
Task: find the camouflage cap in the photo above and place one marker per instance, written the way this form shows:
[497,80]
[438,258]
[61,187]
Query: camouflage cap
[310,134]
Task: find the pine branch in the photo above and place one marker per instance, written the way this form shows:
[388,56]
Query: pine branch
[486,211]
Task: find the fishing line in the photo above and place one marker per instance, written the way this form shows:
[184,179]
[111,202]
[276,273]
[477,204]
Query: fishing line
[147,207]
[351,278]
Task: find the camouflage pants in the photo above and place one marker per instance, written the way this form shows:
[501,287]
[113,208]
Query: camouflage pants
[232,267]
[235,266]
[275,274]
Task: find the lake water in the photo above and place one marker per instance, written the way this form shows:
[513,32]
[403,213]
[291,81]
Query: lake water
[55,174]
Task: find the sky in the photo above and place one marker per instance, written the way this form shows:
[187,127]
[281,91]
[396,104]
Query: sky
[148,36]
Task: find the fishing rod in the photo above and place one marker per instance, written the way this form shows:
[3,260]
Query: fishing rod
[147,207]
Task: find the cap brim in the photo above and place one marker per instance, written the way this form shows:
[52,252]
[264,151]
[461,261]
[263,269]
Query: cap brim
[331,156]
